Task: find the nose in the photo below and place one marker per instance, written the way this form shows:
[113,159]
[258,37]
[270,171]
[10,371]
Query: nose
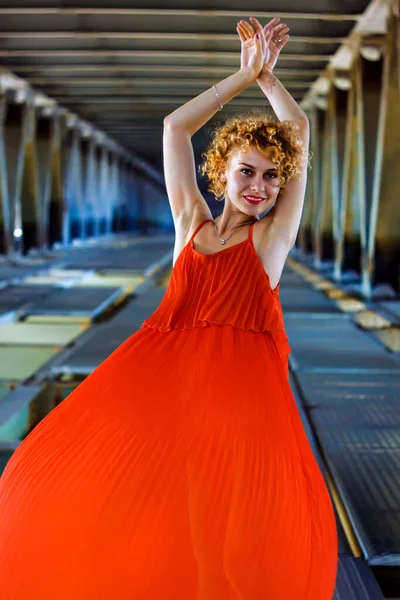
[257,185]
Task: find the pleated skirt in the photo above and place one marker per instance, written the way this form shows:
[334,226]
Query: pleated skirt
[178,470]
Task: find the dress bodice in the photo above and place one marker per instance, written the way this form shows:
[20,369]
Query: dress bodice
[228,287]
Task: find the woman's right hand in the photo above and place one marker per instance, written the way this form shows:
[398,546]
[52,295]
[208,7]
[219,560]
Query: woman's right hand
[253,52]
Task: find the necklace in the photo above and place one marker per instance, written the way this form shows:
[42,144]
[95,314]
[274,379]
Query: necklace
[223,241]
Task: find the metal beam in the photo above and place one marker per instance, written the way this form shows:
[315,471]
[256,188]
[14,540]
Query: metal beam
[383,248]
[140,12]
[4,187]
[186,55]
[148,82]
[141,35]
[23,68]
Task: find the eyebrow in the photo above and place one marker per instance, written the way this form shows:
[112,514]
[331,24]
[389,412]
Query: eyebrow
[251,166]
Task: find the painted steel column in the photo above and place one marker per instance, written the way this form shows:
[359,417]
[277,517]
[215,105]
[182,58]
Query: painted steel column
[104,188]
[112,190]
[360,164]
[346,182]
[22,171]
[73,189]
[315,174]
[124,199]
[5,214]
[91,188]
[333,205]
[49,172]
[384,222]
[118,194]
[323,223]
[306,229]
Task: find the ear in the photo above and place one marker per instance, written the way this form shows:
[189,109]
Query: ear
[222,176]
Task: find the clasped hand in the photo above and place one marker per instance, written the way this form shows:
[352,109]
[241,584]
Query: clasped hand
[259,54]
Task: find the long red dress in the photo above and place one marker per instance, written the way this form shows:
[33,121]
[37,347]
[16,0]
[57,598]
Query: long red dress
[179,469]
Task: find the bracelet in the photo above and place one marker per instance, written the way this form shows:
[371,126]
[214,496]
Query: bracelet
[221,106]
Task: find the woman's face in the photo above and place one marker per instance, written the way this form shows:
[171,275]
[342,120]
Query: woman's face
[252,181]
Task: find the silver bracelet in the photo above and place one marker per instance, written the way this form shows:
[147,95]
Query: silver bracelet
[221,106]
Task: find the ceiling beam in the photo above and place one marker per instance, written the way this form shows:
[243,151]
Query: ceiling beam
[141,35]
[161,82]
[144,12]
[23,68]
[145,101]
[202,55]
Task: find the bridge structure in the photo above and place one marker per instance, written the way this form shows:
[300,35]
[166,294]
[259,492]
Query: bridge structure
[86,232]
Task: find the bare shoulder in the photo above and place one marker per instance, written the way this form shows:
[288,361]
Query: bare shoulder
[260,232]
[186,225]
[271,247]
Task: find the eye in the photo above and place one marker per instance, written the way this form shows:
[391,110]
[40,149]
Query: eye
[246,170]
[273,175]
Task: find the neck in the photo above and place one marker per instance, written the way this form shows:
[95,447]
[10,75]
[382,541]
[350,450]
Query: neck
[226,224]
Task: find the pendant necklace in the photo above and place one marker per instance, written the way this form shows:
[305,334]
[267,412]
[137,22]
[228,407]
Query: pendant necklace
[223,241]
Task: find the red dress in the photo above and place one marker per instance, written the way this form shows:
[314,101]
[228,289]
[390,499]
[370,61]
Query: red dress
[179,469]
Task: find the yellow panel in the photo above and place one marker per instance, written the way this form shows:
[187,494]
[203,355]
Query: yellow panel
[390,338]
[19,362]
[350,305]
[335,293]
[50,280]
[325,285]
[372,320]
[49,334]
[60,319]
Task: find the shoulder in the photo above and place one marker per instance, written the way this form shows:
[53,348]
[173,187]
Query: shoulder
[190,224]
[262,232]
[186,226]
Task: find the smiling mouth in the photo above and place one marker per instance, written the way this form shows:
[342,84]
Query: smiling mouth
[254,199]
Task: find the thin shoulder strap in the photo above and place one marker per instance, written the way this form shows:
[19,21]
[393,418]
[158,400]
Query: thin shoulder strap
[198,228]
[251,233]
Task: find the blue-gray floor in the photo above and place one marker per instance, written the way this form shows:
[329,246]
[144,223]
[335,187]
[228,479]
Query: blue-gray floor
[60,318]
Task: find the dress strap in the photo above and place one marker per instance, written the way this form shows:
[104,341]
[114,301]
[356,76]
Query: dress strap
[198,228]
[250,238]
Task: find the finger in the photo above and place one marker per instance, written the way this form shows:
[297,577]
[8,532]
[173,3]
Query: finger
[248,28]
[272,23]
[260,44]
[256,24]
[239,29]
[284,40]
[240,34]
[269,36]
[246,33]
[258,39]
[281,44]
[281,28]
[263,43]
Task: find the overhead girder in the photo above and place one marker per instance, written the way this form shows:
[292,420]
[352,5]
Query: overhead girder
[352,208]
[87,186]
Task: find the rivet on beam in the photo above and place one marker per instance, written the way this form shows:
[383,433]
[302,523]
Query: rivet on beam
[372,53]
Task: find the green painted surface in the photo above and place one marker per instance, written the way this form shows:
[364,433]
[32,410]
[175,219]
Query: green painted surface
[20,362]
[16,426]
[33,333]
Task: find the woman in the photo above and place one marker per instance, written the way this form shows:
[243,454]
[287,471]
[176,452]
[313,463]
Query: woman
[179,469]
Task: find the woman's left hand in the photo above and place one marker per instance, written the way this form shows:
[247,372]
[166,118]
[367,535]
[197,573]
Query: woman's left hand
[272,32]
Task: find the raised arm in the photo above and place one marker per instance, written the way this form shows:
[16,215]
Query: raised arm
[179,165]
[288,209]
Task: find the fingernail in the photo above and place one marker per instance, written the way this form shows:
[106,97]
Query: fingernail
[258,36]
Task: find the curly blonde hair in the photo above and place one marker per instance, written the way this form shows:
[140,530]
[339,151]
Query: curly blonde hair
[277,140]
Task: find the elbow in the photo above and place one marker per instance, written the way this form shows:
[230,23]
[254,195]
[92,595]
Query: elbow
[168,121]
[173,120]
[303,122]
[171,123]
